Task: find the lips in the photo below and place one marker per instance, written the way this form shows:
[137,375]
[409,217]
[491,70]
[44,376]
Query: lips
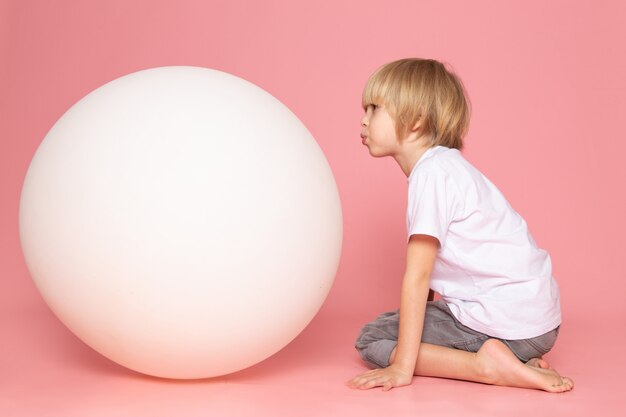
[363,138]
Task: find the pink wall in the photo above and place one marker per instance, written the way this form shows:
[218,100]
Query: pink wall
[546,80]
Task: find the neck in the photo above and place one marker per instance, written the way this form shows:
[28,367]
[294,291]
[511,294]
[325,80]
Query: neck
[409,154]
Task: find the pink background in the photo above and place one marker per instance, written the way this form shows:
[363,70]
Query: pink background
[546,81]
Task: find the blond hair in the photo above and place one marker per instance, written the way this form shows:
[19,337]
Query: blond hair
[416,89]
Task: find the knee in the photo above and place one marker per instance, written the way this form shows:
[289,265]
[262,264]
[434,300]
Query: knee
[384,327]
[363,340]
[362,345]
[376,337]
[370,333]
[374,347]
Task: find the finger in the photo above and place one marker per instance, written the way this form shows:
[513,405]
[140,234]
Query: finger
[376,382]
[370,384]
[357,380]
[387,386]
[361,382]
[372,372]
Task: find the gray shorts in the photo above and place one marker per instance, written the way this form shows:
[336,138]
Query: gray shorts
[378,338]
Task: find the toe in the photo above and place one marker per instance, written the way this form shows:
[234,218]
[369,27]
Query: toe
[568,382]
[565,385]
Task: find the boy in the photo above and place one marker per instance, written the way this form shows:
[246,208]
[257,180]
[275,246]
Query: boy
[500,308]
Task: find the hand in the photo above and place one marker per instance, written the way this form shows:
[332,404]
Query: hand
[387,378]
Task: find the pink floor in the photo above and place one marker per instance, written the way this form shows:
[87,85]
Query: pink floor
[46,371]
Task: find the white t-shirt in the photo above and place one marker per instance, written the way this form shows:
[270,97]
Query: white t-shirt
[489,269]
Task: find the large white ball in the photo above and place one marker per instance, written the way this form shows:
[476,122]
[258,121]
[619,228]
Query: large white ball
[182,222]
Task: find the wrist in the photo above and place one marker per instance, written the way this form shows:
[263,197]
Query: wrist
[403,358]
[405,368]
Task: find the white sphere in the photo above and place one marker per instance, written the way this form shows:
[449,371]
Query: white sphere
[182,222]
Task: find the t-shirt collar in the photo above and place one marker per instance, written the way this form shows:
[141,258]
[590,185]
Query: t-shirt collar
[429,152]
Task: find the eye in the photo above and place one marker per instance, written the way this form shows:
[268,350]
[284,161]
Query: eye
[371,106]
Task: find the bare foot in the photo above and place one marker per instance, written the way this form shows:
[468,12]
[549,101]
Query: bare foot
[538,363]
[500,366]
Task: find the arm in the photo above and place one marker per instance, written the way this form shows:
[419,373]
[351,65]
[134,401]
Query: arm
[420,259]
[421,254]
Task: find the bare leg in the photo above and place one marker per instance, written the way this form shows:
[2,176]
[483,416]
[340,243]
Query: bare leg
[494,364]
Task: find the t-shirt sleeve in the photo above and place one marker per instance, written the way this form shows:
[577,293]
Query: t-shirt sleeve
[431,204]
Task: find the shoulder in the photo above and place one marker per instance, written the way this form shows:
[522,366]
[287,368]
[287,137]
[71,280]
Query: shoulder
[449,161]
[443,177]
[442,164]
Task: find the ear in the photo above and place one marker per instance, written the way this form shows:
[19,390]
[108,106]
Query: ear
[417,125]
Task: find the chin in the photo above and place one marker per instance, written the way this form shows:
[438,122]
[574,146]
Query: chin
[375,154]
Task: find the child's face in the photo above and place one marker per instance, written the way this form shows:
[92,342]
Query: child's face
[378,131]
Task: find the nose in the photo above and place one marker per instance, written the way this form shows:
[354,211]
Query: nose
[364,120]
